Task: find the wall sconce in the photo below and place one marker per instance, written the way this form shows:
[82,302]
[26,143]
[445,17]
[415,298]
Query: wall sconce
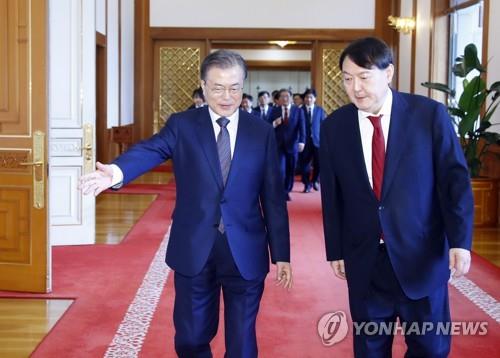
[282,44]
[402,24]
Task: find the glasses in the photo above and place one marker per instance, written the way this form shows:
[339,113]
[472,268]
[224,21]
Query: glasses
[220,90]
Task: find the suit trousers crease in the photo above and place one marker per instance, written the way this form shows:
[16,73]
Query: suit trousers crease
[197,303]
[386,302]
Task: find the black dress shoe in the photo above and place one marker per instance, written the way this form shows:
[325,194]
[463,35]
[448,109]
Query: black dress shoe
[316,186]
[307,188]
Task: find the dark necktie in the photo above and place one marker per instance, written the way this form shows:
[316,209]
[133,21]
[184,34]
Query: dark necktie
[285,115]
[224,150]
[262,112]
[309,122]
[378,155]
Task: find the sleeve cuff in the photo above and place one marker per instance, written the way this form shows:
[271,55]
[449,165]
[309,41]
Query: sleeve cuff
[117,181]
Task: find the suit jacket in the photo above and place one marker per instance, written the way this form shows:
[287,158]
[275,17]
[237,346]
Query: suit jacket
[312,129]
[257,110]
[288,136]
[426,204]
[251,203]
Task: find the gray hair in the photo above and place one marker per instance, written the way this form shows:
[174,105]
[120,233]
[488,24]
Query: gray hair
[222,59]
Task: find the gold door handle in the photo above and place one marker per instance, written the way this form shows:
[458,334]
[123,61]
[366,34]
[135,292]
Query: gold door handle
[88,152]
[88,148]
[38,164]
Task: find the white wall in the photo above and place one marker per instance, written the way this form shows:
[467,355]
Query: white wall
[494,50]
[352,14]
[113,66]
[423,28]
[261,80]
[100,16]
[127,63]
[405,40]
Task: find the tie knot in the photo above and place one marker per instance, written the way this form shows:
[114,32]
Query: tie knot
[222,121]
[375,120]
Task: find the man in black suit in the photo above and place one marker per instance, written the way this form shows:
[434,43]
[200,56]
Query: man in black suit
[314,115]
[289,123]
[397,206]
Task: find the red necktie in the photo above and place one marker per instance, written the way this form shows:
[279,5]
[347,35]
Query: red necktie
[378,155]
[285,116]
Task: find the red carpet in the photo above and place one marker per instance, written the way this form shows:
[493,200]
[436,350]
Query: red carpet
[104,280]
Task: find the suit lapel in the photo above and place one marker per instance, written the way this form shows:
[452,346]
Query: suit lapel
[398,131]
[205,134]
[356,148]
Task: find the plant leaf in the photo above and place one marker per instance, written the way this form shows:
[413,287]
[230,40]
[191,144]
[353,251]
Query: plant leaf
[473,95]
[466,125]
[439,87]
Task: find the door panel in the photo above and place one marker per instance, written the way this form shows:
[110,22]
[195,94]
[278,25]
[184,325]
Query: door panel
[24,253]
[72,119]
[176,75]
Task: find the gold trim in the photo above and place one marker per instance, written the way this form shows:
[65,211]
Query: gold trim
[39,170]
[88,148]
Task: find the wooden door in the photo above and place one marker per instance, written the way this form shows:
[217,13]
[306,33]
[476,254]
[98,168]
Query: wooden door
[24,252]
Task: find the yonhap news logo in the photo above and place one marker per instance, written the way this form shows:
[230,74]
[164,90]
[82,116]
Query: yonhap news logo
[421,328]
[332,327]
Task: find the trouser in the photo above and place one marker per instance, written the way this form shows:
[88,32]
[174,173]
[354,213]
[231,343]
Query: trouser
[196,308]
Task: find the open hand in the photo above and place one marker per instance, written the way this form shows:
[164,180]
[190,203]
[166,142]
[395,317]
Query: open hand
[97,181]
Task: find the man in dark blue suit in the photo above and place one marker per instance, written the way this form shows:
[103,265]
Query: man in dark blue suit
[314,116]
[263,110]
[397,206]
[230,211]
[289,123]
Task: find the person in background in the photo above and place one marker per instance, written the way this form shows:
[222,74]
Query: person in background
[289,123]
[198,98]
[229,215]
[263,109]
[397,206]
[246,104]
[298,100]
[314,116]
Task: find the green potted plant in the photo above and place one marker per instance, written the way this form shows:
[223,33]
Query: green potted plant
[471,114]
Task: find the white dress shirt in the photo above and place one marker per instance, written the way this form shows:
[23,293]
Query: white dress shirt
[366,131]
[232,127]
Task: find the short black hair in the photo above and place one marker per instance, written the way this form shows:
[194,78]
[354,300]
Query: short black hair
[247,96]
[198,92]
[368,52]
[223,59]
[298,94]
[310,91]
[261,93]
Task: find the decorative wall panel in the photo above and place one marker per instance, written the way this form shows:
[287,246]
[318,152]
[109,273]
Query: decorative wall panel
[179,69]
[333,93]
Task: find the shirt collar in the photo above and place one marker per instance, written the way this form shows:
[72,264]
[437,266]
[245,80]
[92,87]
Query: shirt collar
[233,118]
